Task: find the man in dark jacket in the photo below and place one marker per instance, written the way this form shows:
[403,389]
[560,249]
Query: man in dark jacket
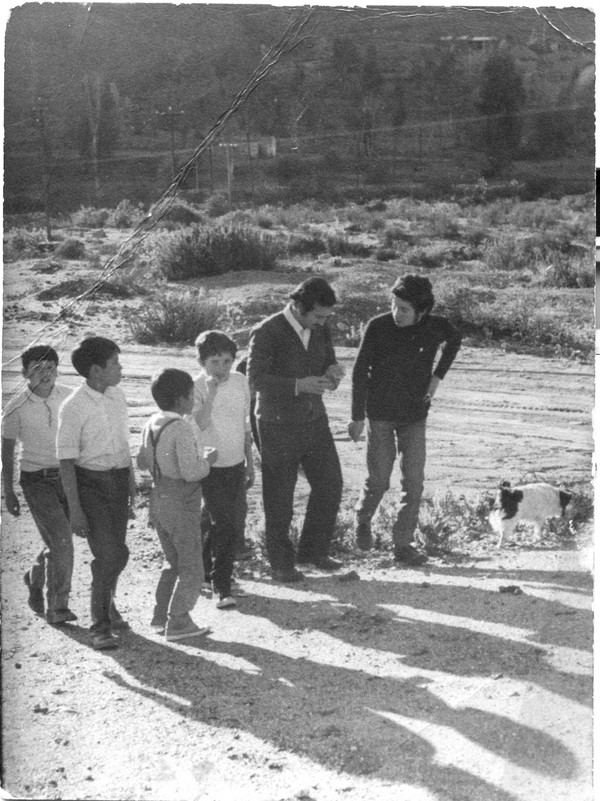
[291,363]
[393,383]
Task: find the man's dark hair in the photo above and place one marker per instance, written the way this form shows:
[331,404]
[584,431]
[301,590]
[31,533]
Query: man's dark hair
[313,292]
[213,343]
[169,385]
[38,353]
[93,350]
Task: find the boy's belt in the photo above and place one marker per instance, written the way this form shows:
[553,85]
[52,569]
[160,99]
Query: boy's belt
[45,472]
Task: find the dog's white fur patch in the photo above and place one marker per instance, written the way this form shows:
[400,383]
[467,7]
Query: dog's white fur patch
[538,503]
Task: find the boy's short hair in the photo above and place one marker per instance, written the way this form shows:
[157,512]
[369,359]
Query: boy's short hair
[169,385]
[38,353]
[213,343]
[313,292]
[93,350]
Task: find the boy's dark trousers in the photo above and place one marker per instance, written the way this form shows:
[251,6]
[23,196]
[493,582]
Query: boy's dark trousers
[221,490]
[104,496]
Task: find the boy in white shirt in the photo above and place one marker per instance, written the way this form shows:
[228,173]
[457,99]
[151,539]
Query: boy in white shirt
[31,418]
[222,412]
[170,452]
[97,474]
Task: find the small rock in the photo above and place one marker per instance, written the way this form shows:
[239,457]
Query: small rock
[511,589]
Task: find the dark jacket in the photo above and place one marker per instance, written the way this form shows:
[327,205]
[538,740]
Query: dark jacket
[276,359]
[394,366]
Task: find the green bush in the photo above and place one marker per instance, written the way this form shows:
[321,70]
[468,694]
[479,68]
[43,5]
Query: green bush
[182,214]
[88,217]
[197,252]
[571,273]
[386,254]
[173,319]
[71,249]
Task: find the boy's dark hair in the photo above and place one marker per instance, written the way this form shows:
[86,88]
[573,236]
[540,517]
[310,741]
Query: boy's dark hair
[213,343]
[313,292]
[169,385]
[416,290]
[38,353]
[93,350]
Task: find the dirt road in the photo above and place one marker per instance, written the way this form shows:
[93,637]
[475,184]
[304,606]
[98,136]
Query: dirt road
[420,685]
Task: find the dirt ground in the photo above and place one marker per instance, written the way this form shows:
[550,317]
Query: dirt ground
[375,683]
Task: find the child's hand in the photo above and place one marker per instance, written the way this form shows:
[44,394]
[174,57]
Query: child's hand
[212,386]
[211,455]
[79,524]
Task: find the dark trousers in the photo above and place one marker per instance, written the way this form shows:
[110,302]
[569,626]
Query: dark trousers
[104,496]
[53,567]
[222,489]
[284,448]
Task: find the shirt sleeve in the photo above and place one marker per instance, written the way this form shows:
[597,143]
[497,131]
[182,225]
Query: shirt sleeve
[451,346]
[69,431]
[11,423]
[192,466]
[360,375]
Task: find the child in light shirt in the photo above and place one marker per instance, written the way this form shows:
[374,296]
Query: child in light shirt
[222,412]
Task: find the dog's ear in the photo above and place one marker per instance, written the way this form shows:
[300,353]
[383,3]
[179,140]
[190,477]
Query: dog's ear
[564,498]
[505,485]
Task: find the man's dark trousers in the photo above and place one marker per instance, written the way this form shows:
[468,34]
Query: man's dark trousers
[284,448]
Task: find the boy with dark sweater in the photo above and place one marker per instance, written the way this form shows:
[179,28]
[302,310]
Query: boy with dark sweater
[394,380]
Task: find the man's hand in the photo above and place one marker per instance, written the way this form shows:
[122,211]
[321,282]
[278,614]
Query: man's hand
[79,524]
[355,429]
[334,374]
[12,503]
[313,384]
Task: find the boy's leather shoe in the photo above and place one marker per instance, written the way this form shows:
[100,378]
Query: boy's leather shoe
[58,616]
[287,576]
[409,556]
[104,641]
[320,562]
[36,596]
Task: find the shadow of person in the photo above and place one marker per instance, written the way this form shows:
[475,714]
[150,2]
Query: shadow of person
[459,630]
[321,711]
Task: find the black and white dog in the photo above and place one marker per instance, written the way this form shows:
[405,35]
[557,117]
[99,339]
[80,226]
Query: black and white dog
[528,503]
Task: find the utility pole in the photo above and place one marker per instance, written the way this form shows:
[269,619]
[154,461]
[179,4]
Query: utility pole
[40,120]
[170,117]
[229,165]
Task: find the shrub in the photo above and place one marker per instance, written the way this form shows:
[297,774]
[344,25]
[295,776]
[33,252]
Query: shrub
[126,215]
[570,273]
[431,256]
[338,245]
[386,254]
[197,252]
[71,249]
[311,246]
[88,217]
[182,214]
[173,319]
[218,206]
[21,243]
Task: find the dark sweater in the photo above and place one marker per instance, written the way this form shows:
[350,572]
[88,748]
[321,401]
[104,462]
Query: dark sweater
[276,359]
[394,366]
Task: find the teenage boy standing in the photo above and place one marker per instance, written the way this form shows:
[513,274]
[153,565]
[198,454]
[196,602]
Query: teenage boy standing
[393,382]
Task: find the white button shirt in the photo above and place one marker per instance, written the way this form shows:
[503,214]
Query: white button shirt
[93,429]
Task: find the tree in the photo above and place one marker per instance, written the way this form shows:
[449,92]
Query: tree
[501,98]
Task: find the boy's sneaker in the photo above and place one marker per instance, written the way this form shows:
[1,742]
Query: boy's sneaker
[409,556]
[180,630]
[226,602]
[36,596]
[58,616]
[104,641]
